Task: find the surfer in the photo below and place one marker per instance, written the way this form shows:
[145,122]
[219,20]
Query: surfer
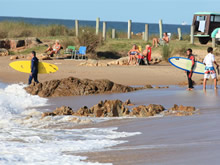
[209,62]
[190,73]
[34,68]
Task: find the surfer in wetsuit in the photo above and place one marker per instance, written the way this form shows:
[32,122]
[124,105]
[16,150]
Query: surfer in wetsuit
[34,68]
[190,73]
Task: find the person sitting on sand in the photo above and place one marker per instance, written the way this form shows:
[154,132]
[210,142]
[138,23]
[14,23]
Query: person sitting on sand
[163,41]
[147,54]
[209,62]
[133,53]
[54,49]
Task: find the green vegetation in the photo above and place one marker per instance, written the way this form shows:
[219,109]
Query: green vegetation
[110,48]
[166,52]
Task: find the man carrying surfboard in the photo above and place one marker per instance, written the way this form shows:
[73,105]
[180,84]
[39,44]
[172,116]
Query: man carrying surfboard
[209,62]
[34,68]
[190,73]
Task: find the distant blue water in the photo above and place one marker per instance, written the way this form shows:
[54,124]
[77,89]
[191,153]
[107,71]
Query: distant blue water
[119,26]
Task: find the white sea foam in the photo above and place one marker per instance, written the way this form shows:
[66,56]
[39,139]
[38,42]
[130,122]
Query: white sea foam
[26,138]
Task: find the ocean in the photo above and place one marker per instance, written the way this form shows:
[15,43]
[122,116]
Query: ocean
[26,138]
[119,26]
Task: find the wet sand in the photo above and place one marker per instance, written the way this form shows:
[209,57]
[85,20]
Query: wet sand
[164,140]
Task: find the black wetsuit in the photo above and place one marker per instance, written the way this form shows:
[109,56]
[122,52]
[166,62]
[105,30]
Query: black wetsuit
[189,74]
[34,70]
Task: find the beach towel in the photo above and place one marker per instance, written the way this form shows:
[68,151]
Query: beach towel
[202,26]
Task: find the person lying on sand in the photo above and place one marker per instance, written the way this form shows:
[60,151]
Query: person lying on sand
[163,41]
[133,54]
[54,49]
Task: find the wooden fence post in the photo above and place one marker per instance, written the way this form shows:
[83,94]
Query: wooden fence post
[104,31]
[113,33]
[179,33]
[146,34]
[192,35]
[213,42]
[129,29]
[77,27]
[143,36]
[97,25]
[161,28]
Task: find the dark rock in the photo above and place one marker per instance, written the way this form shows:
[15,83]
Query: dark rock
[4,52]
[181,110]
[148,86]
[146,111]
[64,110]
[73,86]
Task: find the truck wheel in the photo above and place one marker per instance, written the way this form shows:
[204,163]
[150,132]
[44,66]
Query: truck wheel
[204,40]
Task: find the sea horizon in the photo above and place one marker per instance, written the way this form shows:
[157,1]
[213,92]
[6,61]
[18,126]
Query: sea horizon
[137,27]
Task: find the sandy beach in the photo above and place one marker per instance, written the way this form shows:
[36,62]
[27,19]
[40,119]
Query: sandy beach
[160,74]
[158,140]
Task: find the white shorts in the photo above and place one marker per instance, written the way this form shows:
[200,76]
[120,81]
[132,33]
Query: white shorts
[209,71]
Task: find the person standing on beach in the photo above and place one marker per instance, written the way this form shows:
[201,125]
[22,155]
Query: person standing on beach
[190,73]
[34,68]
[209,62]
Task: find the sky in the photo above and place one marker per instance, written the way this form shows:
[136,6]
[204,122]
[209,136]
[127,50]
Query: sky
[144,11]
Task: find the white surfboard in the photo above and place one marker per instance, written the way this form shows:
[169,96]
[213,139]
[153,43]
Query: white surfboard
[186,64]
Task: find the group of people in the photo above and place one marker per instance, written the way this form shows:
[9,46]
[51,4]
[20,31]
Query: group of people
[210,71]
[34,60]
[138,57]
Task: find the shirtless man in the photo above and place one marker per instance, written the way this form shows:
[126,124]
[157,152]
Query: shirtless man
[163,41]
[54,49]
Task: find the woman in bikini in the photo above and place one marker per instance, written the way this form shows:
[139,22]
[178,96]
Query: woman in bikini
[133,53]
[54,49]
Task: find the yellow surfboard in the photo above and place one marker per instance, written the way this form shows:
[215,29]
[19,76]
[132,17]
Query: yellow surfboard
[25,66]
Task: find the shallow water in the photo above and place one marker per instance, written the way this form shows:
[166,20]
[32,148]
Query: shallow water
[166,97]
[57,140]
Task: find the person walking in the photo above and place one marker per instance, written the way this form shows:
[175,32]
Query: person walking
[34,68]
[209,62]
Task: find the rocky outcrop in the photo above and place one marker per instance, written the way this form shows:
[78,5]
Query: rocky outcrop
[73,86]
[146,111]
[93,63]
[4,52]
[109,108]
[64,110]
[117,108]
[18,43]
[120,61]
[181,110]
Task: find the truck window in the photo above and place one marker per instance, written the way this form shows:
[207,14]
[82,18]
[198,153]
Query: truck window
[201,18]
[217,18]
